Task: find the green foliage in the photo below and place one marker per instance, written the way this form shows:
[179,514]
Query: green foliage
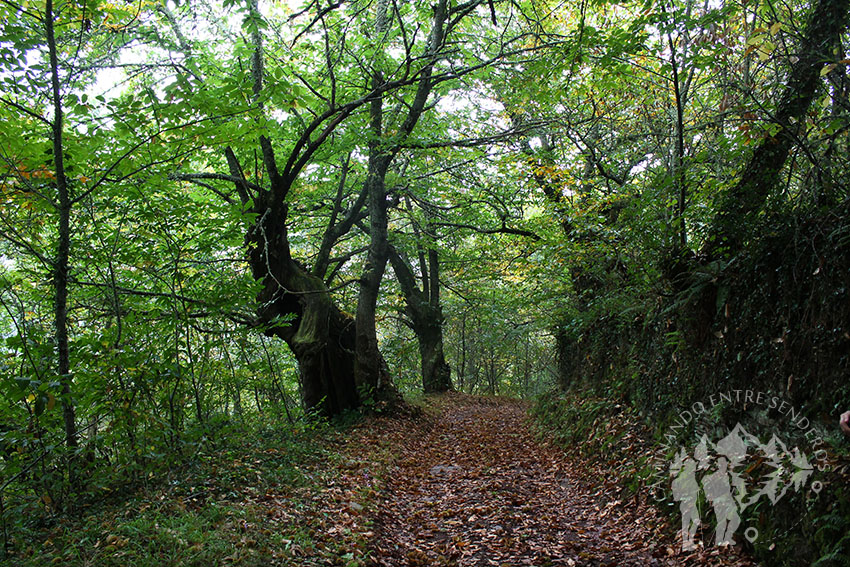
[832,536]
[578,422]
[732,330]
[580,232]
[206,512]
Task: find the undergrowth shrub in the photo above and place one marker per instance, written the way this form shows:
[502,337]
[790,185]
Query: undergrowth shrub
[774,320]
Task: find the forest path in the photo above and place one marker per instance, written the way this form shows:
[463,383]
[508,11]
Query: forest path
[471,485]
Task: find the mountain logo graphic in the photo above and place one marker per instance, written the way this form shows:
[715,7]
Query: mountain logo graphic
[733,474]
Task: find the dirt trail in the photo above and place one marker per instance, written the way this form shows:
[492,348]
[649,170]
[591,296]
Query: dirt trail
[472,486]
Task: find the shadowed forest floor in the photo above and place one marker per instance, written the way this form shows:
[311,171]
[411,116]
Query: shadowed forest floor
[464,482]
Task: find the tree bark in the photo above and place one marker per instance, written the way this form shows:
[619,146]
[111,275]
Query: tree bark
[436,373]
[338,356]
[63,249]
[297,307]
[294,302]
[426,320]
[370,370]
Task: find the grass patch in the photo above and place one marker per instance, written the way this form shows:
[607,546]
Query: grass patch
[250,499]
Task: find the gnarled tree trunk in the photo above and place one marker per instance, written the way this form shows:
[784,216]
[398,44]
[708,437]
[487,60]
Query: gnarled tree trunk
[296,306]
[295,303]
[436,374]
[426,320]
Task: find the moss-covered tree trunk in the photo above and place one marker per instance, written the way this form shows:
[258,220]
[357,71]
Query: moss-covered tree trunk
[425,316]
[296,306]
[436,374]
[370,371]
[295,303]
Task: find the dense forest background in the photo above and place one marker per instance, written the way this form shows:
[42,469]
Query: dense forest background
[221,219]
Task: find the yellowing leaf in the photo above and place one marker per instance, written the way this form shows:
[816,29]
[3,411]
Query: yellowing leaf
[756,39]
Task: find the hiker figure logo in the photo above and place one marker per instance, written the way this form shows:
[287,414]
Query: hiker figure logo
[723,472]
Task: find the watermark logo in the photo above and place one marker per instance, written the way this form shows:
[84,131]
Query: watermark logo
[725,474]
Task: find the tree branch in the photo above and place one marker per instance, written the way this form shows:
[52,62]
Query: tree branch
[504,229]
